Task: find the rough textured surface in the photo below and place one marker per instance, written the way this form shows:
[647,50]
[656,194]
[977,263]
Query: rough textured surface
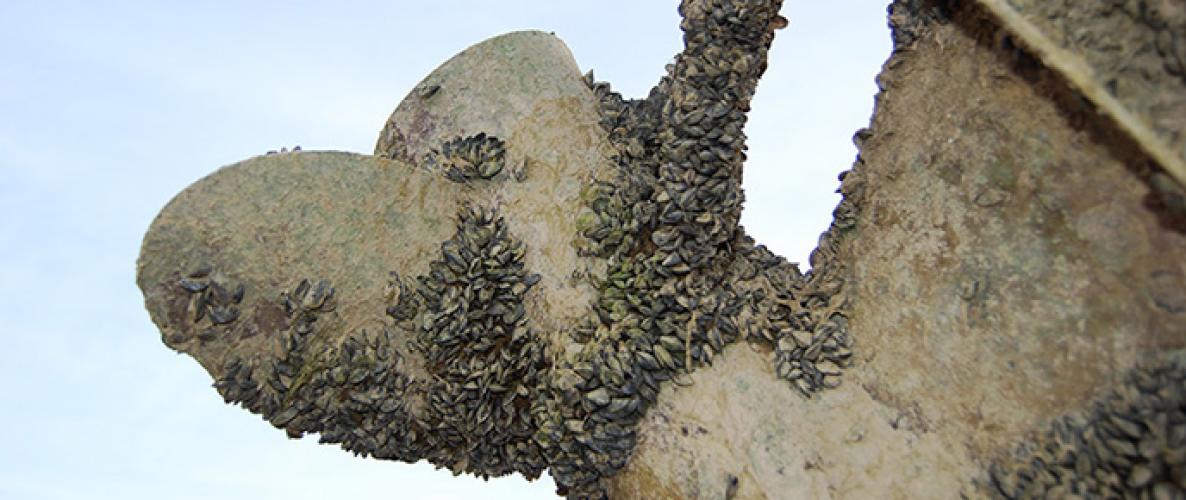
[404,267]
[491,88]
[737,420]
[1130,443]
[1096,48]
[534,273]
[524,89]
[1036,269]
[1136,48]
[1007,270]
[272,221]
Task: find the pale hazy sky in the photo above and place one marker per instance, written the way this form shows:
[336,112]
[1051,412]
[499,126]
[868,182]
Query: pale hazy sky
[109,108]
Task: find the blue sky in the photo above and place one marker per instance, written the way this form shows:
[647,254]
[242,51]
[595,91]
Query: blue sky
[108,109]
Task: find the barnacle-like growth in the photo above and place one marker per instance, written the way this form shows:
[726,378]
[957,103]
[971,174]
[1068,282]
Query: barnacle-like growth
[483,360]
[457,374]
[473,157]
[678,194]
[682,279]
[404,307]
[1129,444]
[353,393]
[211,300]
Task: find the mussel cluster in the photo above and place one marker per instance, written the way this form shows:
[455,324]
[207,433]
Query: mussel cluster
[352,392]
[483,361]
[1131,443]
[481,392]
[465,158]
[488,396]
[472,408]
[682,279]
[210,299]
